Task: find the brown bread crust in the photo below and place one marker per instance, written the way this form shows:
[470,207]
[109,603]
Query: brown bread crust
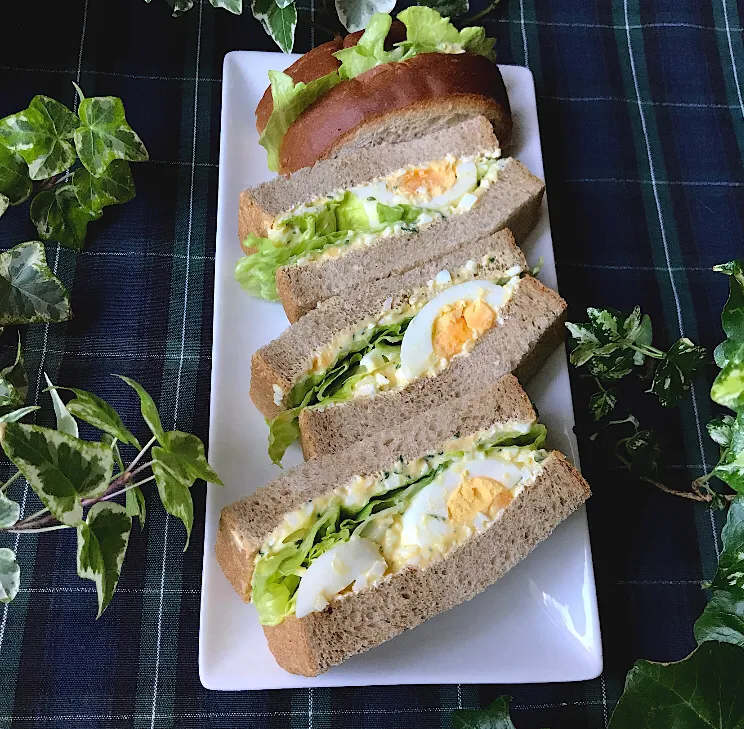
[363,620]
[532,328]
[246,523]
[425,81]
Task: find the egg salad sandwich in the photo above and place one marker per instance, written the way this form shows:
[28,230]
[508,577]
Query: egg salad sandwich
[379,212]
[348,550]
[373,357]
[395,81]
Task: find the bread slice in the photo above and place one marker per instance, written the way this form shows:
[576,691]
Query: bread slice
[513,202]
[285,360]
[261,204]
[362,620]
[531,328]
[398,102]
[245,523]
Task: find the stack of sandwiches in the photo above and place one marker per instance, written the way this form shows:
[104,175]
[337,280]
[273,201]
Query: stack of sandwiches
[398,265]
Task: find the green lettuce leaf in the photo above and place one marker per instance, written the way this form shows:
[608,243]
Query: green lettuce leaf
[351,215]
[290,100]
[369,51]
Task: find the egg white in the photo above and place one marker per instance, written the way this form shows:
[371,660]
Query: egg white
[417,356]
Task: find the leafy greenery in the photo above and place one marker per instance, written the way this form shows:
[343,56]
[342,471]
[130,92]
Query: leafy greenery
[71,475]
[496,716]
[43,144]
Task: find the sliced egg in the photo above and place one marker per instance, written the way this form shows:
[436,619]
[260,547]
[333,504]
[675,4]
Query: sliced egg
[425,524]
[417,352]
[356,562]
[467,181]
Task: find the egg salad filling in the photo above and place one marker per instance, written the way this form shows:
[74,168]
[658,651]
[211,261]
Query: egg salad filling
[330,226]
[377,525]
[419,338]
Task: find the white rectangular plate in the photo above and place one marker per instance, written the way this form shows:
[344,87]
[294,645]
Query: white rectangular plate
[539,623]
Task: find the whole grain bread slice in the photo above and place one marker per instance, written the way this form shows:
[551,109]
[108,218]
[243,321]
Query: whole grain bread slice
[246,523]
[261,204]
[513,202]
[365,619]
[529,329]
[283,361]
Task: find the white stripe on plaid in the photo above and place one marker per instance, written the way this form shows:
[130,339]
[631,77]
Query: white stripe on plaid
[733,59]
[90,72]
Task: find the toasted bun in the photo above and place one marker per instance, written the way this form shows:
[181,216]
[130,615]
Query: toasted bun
[286,359]
[530,328]
[513,202]
[362,620]
[259,205]
[245,524]
[397,102]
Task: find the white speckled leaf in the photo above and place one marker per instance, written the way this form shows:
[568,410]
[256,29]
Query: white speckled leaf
[234,6]
[278,22]
[355,14]
[10,575]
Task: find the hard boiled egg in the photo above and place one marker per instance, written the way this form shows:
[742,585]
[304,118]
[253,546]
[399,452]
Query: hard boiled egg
[357,561]
[438,331]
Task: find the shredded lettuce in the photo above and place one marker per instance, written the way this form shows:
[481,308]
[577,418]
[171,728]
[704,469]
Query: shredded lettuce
[426,32]
[277,576]
[334,384]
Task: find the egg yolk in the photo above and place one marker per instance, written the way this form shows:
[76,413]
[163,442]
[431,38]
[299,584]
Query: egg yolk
[460,323]
[476,495]
[430,181]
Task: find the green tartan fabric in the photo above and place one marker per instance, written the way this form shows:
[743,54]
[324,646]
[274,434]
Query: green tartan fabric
[642,124]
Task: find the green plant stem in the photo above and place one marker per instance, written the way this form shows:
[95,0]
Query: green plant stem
[134,472]
[39,530]
[11,480]
[108,497]
[139,456]
[482,14]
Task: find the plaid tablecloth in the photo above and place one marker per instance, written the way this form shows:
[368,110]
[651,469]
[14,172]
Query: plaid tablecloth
[642,123]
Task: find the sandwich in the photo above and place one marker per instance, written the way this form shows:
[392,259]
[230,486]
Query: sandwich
[346,222]
[373,357]
[393,82]
[347,551]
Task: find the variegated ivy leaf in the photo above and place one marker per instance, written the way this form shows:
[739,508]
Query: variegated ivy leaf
[190,450]
[234,6]
[4,204]
[42,135]
[15,184]
[102,545]
[355,14]
[178,6]
[278,22]
[113,187]
[65,422]
[13,383]
[16,415]
[58,215]
[449,9]
[105,135]
[96,411]
[61,469]
[29,292]
[135,505]
[148,409]
[9,511]
[10,575]
[174,481]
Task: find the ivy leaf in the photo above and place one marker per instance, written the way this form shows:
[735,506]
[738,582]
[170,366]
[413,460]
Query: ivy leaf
[4,204]
[13,383]
[58,215]
[10,511]
[42,136]
[135,505]
[355,14]
[110,442]
[730,467]
[674,373]
[65,422]
[704,690]
[278,22]
[29,292]
[496,716]
[601,403]
[643,451]
[16,415]
[728,387]
[15,184]
[10,575]
[148,409]
[637,329]
[102,544]
[104,135]
[732,316]
[114,187]
[190,450]
[723,617]
[728,350]
[178,6]
[234,6]
[59,468]
[450,9]
[719,429]
[174,481]
[96,411]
